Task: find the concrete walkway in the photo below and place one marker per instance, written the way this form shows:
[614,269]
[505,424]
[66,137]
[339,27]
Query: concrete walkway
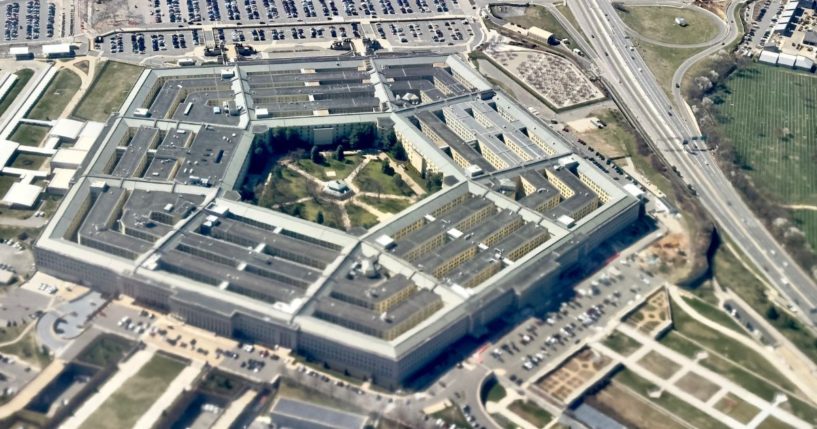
[501,407]
[182,382]
[127,369]
[234,410]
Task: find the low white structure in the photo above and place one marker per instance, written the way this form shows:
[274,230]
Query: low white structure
[261,113]
[22,195]
[786,60]
[20,52]
[67,129]
[337,188]
[681,21]
[68,158]
[803,63]
[60,182]
[58,50]
[768,57]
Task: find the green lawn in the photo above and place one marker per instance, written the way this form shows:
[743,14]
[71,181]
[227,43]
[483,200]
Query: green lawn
[621,343]
[807,222]
[341,168]
[309,210]
[531,412]
[496,392]
[28,161]
[503,421]
[534,16]
[56,96]
[23,76]
[714,314]
[615,138]
[772,422]
[697,386]
[111,85]
[737,408]
[293,390]
[358,216]
[104,350]
[372,179]
[29,134]
[29,350]
[658,23]
[285,186]
[659,365]
[664,61]
[386,205]
[137,395]
[5,183]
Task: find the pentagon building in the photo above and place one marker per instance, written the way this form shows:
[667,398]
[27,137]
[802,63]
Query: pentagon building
[156,216]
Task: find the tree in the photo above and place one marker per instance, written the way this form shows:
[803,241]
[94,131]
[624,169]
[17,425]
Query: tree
[319,218]
[772,313]
[315,155]
[339,153]
[387,168]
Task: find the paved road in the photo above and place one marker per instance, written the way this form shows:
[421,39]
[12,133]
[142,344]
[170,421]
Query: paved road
[628,75]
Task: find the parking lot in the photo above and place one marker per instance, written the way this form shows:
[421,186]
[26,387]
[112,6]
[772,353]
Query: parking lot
[30,20]
[534,343]
[430,32]
[14,374]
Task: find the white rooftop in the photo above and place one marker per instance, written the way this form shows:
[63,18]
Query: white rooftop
[61,180]
[68,129]
[68,158]
[19,50]
[21,194]
[58,49]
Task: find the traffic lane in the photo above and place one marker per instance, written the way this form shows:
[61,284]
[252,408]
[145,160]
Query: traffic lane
[558,332]
[745,319]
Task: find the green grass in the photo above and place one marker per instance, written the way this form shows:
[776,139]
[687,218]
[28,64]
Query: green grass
[290,389]
[807,222]
[534,16]
[285,186]
[503,421]
[726,347]
[737,408]
[615,138]
[23,76]
[772,422]
[664,61]
[372,179]
[741,377]
[28,161]
[56,96]
[111,85]
[621,343]
[341,168]
[657,23]
[680,344]
[104,350]
[531,412]
[125,406]
[801,409]
[29,134]
[659,365]
[452,415]
[386,205]
[358,216]
[565,11]
[714,314]
[309,210]
[496,392]
[5,183]
[697,386]
[29,350]
[778,151]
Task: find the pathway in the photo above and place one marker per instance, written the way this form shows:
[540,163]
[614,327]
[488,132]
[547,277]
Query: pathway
[127,369]
[86,80]
[501,407]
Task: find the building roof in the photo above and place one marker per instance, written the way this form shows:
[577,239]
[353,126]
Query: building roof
[19,50]
[22,194]
[786,59]
[768,57]
[58,49]
[68,129]
[68,157]
[61,179]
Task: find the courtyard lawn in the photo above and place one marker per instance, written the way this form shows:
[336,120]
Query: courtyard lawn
[29,134]
[386,205]
[284,186]
[341,168]
[28,161]
[112,83]
[358,216]
[372,179]
[23,76]
[657,23]
[5,183]
[56,96]
[309,209]
[137,394]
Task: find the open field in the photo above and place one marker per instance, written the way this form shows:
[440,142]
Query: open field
[56,96]
[736,408]
[807,222]
[321,171]
[23,76]
[658,23]
[111,85]
[531,412]
[386,205]
[28,161]
[621,343]
[778,151]
[137,394]
[714,314]
[534,16]
[29,134]
[104,350]
[310,210]
[372,179]
[358,216]
[29,350]
[697,386]
[659,365]
[663,61]
[612,140]
[632,409]
[5,183]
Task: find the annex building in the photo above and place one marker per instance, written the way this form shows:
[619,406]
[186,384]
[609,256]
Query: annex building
[155,214]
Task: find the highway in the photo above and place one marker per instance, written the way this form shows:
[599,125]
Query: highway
[628,76]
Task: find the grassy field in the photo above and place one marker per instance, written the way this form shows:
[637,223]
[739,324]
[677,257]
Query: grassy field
[23,76]
[503,421]
[612,140]
[309,210]
[285,186]
[104,350]
[28,161]
[531,412]
[5,183]
[736,408]
[534,16]
[111,85]
[697,386]
[358,216]
[664,61]
[807,222]
[29,134]
[56,96]
[129,402]
[29,350]
[778,151]
[341,168]
[632,409]
[659,365]
[657,23]
[386,205]
[495,393]
[621,343]
[372,179]
[714,314]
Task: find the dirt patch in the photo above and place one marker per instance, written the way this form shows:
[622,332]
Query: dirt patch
[561,383]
